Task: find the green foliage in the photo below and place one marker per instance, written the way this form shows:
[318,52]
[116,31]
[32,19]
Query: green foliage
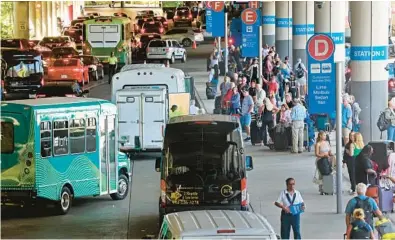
[7,19]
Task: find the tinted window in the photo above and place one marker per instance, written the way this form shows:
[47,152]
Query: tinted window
[145,39]
[10,43]
[76,21]
[7,137]
[155,25]
[157,44]
[91,135]
[75,34]
[175,44]
[182,13]
[54,40]
[77,136]
[65,63]
[55,91]
[64,51]
[60,137]
[46,139]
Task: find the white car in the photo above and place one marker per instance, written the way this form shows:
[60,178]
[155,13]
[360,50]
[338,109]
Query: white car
[168,49]
[186,36]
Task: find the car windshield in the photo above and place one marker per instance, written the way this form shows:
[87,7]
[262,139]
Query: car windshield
[146,39]
[140,22]
[65,63]
[182,13]
[157,44]
[75,34]
[151,27]
[10,43]
[162,19]
[24,67]
[76,21]
[63,51]
[7,137]
[46,54]
[54,40]
[87,60]
[56,90]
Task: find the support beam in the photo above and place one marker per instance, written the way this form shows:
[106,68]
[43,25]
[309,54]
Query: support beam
[302,28]
[55,31]
[269,23]
[44,19]
[284,29]
[49,19]
[32,20]
[21,16]
[369,52]
[329,19]
[38,9]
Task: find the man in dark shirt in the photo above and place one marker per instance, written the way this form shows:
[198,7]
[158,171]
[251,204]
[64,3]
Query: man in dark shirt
[364,172]
[252,89]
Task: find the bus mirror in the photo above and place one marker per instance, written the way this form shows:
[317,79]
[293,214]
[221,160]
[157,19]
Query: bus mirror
[249,163]
[157,164]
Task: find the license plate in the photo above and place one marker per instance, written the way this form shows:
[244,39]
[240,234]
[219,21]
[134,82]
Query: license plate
[63,76]
[32,95]
[14,84]
[183,17]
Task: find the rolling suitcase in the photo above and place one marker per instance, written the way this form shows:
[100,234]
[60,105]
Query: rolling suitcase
[386,200]
[293,89]
[217,104]
[210,94]
[280,138]
[328,184]
[256,133]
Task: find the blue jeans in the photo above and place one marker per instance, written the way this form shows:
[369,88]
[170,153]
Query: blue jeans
[355,127]
[288,221]
[391,133]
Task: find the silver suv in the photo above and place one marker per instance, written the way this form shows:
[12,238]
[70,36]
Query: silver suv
[186,36]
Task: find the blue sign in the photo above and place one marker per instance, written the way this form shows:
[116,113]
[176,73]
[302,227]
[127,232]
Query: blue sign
[321,74]
[235,31]
[302,29]
[269,19]
[391,72]
[250,35]
[215,22]
[364,53]
[283,22]
[337,37]
[348,52]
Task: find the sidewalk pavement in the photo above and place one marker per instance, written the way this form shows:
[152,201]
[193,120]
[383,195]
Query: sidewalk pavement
[265,182]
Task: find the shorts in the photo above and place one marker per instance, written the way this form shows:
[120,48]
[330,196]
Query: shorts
[245,120]
[346,132]
[301,81]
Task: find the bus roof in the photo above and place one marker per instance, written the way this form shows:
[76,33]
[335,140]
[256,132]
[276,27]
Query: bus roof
[54,102]
[108,20]
[140,66]
[203,118]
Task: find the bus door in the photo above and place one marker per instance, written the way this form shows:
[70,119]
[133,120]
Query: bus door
[104,36]
[108,156]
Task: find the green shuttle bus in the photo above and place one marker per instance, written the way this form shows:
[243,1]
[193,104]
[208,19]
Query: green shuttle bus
[58,149]
[104,35]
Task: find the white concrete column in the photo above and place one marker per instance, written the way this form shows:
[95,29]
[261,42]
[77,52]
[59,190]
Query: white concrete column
[32,20]
[347,31]
[44,18]
[269,23]
[302,28]
[54,19]
[369,54]
[38,20]
[49,19]
[21,20]
[329,19]
[284,29]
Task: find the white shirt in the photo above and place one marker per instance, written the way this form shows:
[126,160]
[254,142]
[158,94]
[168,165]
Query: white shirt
[193,110]
[265,52]
[284,200]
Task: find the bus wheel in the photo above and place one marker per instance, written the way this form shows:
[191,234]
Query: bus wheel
[123,188]
[64,204]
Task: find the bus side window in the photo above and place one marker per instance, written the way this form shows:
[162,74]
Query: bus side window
[60,137]
[91,135]
[77,136]
[46,139]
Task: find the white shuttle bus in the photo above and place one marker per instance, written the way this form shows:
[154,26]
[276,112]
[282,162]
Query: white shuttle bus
[144,97]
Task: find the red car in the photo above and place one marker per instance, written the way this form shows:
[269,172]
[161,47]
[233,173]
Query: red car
[68,69]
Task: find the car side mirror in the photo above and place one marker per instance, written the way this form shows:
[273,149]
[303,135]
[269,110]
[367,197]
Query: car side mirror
[249,163]
[85,92]
[157,164]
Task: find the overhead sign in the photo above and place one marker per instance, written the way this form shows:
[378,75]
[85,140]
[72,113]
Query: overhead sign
[321,74]
[250,21]
[215,18]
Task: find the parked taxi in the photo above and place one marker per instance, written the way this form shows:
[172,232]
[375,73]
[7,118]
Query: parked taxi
[68,69]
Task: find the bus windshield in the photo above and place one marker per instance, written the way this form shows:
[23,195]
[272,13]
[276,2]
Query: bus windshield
[7,137]
[10,43]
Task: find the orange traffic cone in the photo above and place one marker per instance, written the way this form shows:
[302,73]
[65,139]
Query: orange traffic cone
[194,45]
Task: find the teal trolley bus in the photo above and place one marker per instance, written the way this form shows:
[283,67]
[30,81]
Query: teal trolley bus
[58,149]
[104,35]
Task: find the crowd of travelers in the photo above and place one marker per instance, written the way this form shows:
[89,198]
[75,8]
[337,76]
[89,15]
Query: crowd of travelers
[276,102]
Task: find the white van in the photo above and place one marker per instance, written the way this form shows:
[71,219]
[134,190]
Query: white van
[216,224]
[143,97]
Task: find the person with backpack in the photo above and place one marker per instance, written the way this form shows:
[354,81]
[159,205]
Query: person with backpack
[359,228]
[254,71]
[325,161]
[300,72]
[346,119]
[364,202]
[389,122]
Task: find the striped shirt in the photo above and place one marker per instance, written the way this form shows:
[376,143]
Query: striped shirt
[298,113]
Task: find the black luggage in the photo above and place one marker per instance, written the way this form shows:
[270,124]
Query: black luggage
[221,66]
[381,152]
[293,89]
[209,92]
[256,132]
[280,138]
[324,166]
[217,105]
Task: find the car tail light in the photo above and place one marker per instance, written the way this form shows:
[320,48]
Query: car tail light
[51,70]
[167,50]
[190,16]
[42,82]
[78,70]
[69,95]
[391,83]
[230,41]
[162,193]
[69,56]
[165,23]
[41,96]
[161,30]
[140,44]
[142,30]
[243,188]
[81,38]
[175,17]
[226,231]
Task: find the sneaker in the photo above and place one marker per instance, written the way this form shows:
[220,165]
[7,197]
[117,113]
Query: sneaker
[247,139]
